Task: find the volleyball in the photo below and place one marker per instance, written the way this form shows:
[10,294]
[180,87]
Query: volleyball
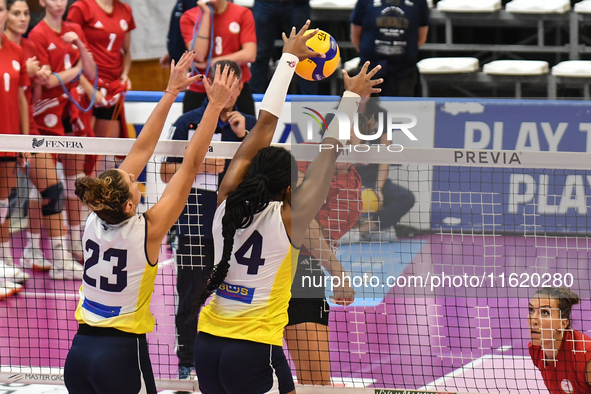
[369,199]
[316,68]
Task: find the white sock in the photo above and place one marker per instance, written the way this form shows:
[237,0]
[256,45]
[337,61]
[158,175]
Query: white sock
[59,247]
[5,253]
[33,240]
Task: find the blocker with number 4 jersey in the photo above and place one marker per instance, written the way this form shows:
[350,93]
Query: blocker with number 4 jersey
[118,278]
[251,303]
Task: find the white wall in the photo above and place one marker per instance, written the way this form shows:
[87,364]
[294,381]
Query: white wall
[148,40]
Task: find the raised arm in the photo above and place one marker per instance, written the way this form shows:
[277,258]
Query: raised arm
[307,199]
[86,61]
[144,146]
[260,137]
[163,215]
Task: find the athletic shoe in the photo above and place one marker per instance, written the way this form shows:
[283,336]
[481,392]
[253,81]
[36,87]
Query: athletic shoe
[35,260]
[9,271]
[185,373]
[8,288]
[69,269]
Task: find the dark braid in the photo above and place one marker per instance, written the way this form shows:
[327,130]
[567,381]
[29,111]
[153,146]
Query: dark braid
[272,170]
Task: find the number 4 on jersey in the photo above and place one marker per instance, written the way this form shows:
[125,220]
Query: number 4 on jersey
[254,243]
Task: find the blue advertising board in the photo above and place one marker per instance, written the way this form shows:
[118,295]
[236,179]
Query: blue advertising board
[512,200]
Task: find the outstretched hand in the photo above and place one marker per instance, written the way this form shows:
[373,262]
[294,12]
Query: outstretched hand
[296,43]
[220,90]
[362,83]
[179,80]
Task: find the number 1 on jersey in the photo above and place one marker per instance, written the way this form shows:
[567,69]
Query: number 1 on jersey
[254,261]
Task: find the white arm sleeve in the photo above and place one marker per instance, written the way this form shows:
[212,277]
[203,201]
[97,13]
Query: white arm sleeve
[277,91]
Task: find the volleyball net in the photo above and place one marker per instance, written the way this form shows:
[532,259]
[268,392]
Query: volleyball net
[442,291]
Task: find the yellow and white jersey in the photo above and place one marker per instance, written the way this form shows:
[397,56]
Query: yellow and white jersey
[118,279]
[252,302]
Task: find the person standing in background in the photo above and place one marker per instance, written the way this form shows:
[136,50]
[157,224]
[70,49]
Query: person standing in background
[194,252]
[15,121]
[175,46]
[234,38]
[389,33]
[62,47]
[269,17]
[107,25]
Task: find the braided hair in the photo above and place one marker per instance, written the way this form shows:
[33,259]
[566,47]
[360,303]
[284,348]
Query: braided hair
[566,299]
[271,171]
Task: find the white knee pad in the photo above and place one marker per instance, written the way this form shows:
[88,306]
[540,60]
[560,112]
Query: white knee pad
[71,185]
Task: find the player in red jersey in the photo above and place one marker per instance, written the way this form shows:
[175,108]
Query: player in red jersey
[17,25]
[15,120]
[562,355]
[107,25]
[234,38]
[307,333]
[61,46]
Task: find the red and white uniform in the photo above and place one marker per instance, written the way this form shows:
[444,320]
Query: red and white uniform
[13,68]
[59,56]
[231,29]
[105,34]
[343,203]
[30,50]
[566,375]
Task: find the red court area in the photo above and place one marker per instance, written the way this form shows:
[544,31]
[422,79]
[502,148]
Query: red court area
[446,343]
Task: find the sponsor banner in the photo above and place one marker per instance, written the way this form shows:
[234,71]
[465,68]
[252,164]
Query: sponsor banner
[514,198]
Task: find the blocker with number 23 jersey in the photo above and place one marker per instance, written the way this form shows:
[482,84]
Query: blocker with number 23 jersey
[118,278]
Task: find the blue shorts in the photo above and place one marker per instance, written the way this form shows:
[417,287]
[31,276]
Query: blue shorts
[108,361]
[233,366]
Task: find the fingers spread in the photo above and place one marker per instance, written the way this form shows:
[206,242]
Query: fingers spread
[374,71]
[206,83]
[364,68]
[235,84]
[195,78]
[308,36]
[304,28]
